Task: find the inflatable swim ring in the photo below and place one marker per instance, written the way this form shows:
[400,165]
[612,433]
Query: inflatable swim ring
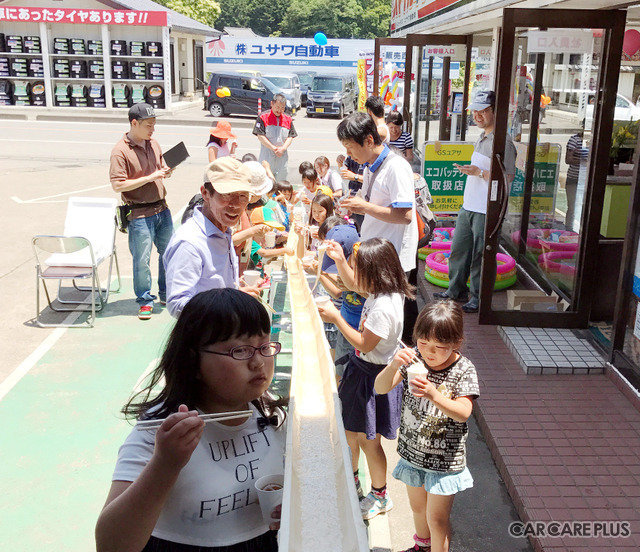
[540,240]
[441,241]
[437,270]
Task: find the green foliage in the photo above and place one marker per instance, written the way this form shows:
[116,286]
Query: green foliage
[303,18]
[204,11]
[264,18]
[376,18]
[306,17]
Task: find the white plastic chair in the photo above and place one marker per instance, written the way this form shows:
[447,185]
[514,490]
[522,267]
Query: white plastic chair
[88,241]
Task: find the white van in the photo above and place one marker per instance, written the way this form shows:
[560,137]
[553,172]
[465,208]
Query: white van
[290,85]
[625,110]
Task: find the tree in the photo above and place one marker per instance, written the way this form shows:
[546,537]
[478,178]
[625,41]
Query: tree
[306,17]
[376,18]
[263,17]
[204,11]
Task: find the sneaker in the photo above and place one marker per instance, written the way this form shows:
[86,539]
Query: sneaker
[471,306]
[359,490]
[145,312]
[444,295]
[371,505]
[417,548]
[163,302]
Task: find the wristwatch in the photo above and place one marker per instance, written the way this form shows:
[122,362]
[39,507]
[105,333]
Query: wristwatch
[482,174]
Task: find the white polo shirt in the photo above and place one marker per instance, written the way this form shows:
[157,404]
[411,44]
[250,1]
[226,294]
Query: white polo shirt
[392,186]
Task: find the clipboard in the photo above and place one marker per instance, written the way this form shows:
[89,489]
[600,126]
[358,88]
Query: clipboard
[176,155]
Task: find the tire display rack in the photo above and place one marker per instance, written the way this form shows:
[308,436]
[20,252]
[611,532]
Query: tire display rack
[81,66]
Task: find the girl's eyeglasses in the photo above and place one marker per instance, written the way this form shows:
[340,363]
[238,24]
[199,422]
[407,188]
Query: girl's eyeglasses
[246,352]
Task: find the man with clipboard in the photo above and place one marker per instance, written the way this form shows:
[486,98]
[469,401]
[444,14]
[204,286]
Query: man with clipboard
[137,171]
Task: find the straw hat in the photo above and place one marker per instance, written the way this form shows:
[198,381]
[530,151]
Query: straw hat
[222,130]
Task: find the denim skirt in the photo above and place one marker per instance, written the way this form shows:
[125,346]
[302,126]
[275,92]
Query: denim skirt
[437,483]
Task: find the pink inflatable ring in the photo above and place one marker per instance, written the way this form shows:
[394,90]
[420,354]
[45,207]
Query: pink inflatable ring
[550,262]
[539,240]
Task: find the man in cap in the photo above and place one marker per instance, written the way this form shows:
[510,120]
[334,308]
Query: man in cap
[468,240]
[200,255]
[275,132]
[137,171]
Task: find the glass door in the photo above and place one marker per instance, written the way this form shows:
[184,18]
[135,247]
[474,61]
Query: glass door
[556,91]
[437,88]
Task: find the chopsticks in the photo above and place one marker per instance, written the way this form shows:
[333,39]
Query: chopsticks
[144,425]
[415,359]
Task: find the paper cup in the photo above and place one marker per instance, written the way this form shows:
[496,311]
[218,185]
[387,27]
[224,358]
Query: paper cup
[322,300]
[251,277]
[270,239]
[270,490]
[415,370]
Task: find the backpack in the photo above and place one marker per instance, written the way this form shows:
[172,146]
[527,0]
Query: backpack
[193,203]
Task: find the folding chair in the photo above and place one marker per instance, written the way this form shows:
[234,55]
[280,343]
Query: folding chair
[88,241]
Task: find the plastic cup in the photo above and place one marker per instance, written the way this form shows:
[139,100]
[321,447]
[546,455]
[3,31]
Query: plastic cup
[322,300]
[270,239]
[270,489]
[251,277]
[414,370]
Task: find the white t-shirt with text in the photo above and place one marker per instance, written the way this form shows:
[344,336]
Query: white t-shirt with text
[214,501]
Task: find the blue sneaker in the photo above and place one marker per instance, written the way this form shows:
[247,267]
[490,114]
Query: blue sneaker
[371,505]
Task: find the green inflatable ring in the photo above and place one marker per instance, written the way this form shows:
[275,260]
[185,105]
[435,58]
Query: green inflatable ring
[500,284]
[437,275]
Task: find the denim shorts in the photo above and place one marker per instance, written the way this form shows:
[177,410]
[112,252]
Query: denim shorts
[437,483]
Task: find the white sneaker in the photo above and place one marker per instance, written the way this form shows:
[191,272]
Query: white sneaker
[371,505]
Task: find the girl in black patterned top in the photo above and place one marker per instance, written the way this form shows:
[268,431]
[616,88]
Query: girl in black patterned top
[433,430]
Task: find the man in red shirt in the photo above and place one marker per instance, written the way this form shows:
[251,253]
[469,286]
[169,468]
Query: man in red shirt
[275,132]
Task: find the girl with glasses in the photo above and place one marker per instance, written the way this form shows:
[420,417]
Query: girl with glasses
[189,486]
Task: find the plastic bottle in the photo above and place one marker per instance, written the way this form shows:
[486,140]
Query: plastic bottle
[299,214]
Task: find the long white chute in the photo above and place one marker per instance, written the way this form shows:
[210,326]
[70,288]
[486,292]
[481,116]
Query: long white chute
[320,508]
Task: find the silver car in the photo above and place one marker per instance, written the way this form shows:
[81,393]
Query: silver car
[290,85]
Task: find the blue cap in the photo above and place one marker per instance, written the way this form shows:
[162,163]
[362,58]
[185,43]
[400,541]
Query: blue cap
[483,99]
[346,235]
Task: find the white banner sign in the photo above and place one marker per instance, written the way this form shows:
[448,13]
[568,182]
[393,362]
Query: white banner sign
[560,41]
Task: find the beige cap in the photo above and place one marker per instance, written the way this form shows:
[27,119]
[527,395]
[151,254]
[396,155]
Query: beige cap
[262,184]
[228,175]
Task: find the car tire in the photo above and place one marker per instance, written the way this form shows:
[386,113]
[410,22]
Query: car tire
[216,109]
[310,115]
[341,112]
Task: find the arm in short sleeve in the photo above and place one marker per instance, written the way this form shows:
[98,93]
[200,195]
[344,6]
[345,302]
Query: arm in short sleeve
[468,383]
[401,186]
[134,455]
[118,168]
[409,141]
[379,322]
